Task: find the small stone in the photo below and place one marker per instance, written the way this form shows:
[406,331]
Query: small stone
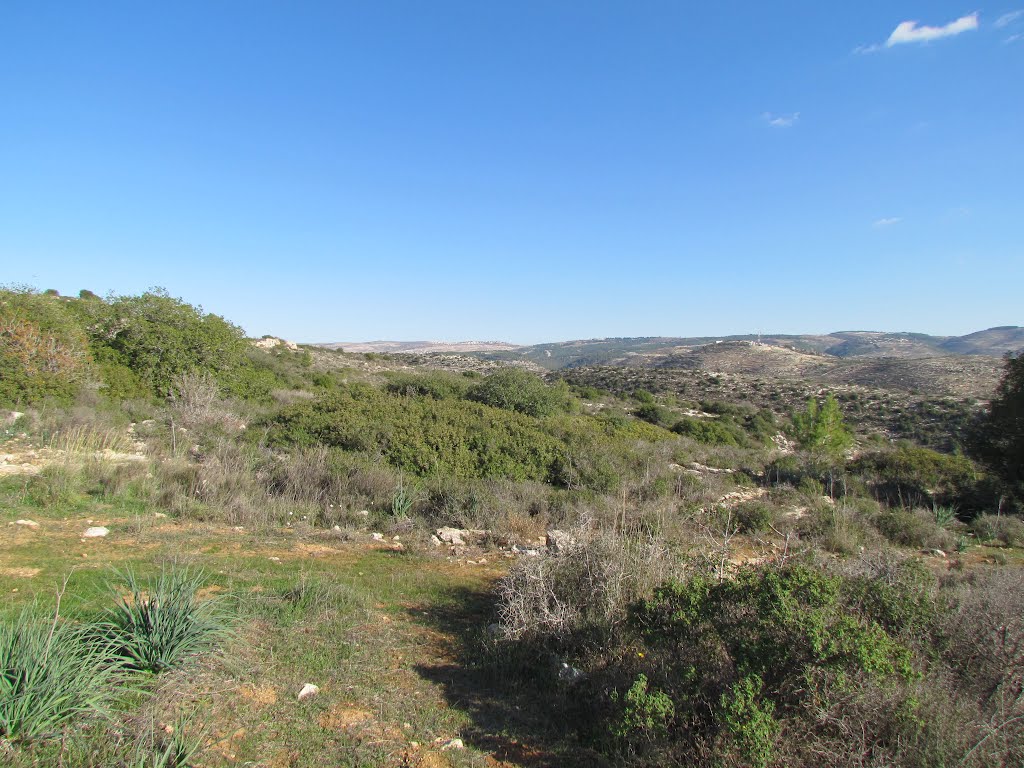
[336,528]
[377,536]
[159,515]
[97,532]
[396,538]
[435,541]
[451,744]
[27,523]
[938,553]
[308,691]
[363,513]
[274,559]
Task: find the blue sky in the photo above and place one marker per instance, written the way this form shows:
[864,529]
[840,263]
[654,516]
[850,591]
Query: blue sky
[524,171]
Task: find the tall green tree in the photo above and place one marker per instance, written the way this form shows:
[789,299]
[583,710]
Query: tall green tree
[158,337]
[821,429]
[999,443]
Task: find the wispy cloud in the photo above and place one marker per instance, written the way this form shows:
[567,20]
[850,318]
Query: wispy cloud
[887,222]
[911,32]
[914,32]
[1008,18]
[781,121]
[1014,38]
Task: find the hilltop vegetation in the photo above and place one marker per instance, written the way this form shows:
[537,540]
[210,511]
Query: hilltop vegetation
[740,569]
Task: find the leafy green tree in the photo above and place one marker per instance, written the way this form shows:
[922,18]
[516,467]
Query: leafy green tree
[158,337]
[999,443]
[821,429]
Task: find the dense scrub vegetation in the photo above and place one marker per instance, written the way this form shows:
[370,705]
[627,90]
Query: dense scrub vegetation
[744,583]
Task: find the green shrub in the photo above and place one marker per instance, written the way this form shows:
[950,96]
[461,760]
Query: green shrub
[436,384]
[754,516]
[422,436]
[914,476]
[749,728]
[655,414]
[513,389]
[1008,530]
[52,674]
[913,528]
[740,657]
[711,431]
[159,624]
[43,348]
[644,714]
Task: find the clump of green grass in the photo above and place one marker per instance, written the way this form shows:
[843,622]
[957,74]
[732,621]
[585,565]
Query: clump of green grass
[159,624]
[167,747]
[89,438]
[52,674]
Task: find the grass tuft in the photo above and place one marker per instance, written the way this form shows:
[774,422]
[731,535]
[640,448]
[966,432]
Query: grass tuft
[52,674]
[160,623]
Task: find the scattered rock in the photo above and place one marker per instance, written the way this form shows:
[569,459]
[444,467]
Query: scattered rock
[435,541]
[27,523]
[937,553]
[363,513]
[308,691]
[96,532]
[271,342]
[377,536]
[447,744]
[559,542]
[703,468]
[452,536]
[525,551]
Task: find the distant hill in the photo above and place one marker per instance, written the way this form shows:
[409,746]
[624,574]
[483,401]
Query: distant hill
[994,341]
[650,350]
[420,347]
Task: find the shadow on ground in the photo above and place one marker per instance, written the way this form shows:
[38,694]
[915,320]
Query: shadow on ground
[520,714]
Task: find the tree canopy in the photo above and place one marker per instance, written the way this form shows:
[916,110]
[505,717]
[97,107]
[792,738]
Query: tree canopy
[999,443]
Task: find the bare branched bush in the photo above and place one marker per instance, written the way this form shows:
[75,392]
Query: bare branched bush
[582,595]
[985,650]
[196,401]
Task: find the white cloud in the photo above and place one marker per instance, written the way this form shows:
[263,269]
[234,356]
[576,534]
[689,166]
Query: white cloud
[910,32]
[887,222]
[1014,38]
[781,121]
[1008,18]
